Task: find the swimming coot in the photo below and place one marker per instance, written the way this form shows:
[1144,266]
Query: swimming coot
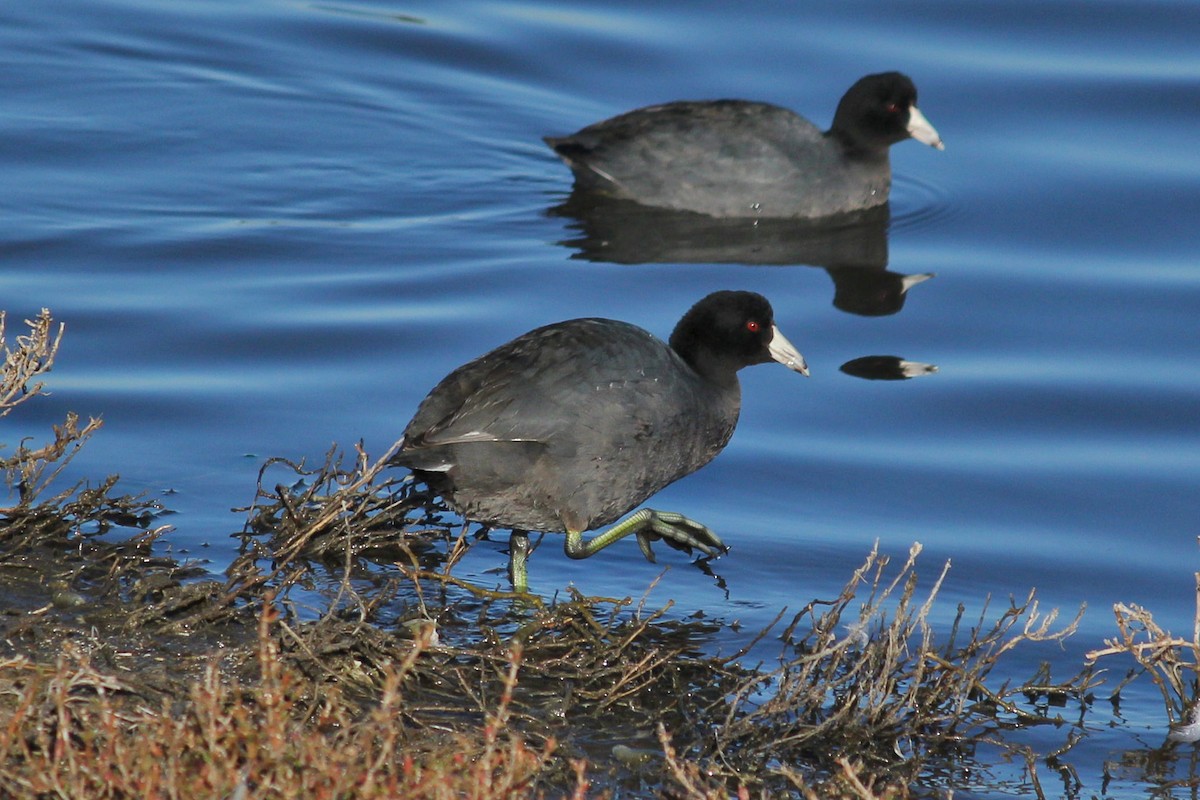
[736,158]
[570,426]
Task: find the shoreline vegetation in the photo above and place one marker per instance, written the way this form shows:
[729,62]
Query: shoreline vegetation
[339,657]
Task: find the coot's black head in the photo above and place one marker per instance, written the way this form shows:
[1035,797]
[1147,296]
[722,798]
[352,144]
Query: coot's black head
[880,110]
[729,330]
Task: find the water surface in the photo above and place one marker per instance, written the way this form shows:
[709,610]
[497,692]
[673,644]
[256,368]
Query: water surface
[273,226]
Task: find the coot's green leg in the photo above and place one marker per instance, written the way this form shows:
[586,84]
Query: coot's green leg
[518,557]
[648,525]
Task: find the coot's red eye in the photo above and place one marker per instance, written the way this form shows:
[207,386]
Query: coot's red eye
[753,326]
[892,108]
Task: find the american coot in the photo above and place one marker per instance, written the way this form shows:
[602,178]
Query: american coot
[570,426]
[735,158]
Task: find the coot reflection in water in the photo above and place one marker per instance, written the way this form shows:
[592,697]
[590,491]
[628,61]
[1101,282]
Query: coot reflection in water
[887,368]
[736,158]
[570,426]
[853,248]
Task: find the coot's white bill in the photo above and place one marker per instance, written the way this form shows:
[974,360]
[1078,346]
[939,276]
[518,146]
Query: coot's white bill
[922,131]
[786,353]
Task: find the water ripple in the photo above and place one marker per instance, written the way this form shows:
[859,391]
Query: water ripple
[919,204]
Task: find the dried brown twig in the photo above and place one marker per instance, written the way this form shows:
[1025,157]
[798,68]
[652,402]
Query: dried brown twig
[31,471]
[869,675]
[33,356]
[1171,662]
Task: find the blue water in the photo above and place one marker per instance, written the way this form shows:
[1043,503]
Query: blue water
[272,226]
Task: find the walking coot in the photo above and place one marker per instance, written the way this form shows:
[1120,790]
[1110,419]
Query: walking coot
[570,426]
[736,158]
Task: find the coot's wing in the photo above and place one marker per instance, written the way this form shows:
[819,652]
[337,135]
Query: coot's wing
[532,388]
[698,156]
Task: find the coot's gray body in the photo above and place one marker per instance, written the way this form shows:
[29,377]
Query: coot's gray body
[554,432]
[570,426]
[737,158]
